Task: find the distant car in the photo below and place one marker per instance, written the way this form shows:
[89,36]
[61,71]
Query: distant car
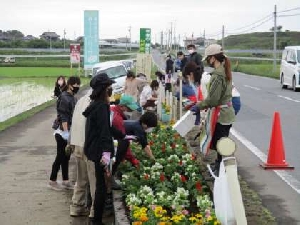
[129,64]
[115,70]
[9,60]
[290,68]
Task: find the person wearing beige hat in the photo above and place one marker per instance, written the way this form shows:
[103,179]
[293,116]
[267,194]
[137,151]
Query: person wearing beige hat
[219,96]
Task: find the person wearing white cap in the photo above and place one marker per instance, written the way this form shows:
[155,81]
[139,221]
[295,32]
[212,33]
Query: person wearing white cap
[219,96]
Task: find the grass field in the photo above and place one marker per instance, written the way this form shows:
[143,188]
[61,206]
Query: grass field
[36,71]
[264,69]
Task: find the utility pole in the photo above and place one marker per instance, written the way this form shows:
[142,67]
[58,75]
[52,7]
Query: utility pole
[275,38]
[64,39]
[171,36]
[129,29]
[166,37]
[162,40]
[178,42]
[204,38]
[223,36]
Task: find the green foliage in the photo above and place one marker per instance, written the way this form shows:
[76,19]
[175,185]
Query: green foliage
[262,40]
[258,68]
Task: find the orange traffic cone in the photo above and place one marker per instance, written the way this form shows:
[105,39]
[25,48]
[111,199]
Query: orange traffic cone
[276,157]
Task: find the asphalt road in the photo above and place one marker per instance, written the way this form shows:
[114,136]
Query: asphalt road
[261,97]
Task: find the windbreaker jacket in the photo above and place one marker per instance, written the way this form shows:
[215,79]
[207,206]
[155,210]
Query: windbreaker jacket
[220,94]
[98,131]
[65,107]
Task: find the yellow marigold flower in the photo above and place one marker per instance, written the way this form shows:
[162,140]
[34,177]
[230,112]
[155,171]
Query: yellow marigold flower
[165,218]
[193,219]
[209,218]
[199,215]
[144,218]
[162,223]
[217,223]
[137,223]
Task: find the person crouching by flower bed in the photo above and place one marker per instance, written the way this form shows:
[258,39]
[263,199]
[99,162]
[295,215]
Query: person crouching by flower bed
[126,104]
[140,128]
[99,133]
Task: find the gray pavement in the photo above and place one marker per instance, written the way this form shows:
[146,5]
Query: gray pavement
[261,97]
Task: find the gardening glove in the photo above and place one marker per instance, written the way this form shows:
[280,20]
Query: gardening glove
[105,158]
[105,161]
[189,105]
[131,138]
[65,135]
[197,120]
[195,109]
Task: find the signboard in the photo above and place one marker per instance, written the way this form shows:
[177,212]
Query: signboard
[145,40]
[144,64]
[74,53]
[91,38]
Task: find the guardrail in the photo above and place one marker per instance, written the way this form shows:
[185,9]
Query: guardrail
[57,56]
[253,58]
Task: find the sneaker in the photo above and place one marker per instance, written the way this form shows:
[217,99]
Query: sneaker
[54,186]
[67,185]
[83,212]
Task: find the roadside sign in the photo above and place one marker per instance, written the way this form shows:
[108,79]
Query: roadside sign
[145,40]
[91,38]
[75,53]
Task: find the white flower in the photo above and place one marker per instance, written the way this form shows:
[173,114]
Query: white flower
[132,199]
[175,177]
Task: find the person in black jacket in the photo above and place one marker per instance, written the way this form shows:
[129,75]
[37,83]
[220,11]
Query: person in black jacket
[59,85]
[65,107]
[99,133]
[195,57]
[169,65]
[183,60]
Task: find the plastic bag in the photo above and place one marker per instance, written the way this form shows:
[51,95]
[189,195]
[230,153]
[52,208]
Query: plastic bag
[222,202]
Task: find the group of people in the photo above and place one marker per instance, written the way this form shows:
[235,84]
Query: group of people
[99,134]
[208,90]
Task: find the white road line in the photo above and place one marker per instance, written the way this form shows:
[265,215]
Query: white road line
[288,98]
[285,176]
[255,88]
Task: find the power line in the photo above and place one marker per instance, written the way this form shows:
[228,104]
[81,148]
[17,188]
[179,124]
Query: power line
[264,18]
[298,14]
[297,8]
[252,28]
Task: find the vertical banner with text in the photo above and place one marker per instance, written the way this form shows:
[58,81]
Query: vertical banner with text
[145,40]
[91,38]
[74,53]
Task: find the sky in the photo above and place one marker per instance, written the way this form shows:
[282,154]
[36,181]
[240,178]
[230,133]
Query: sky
[115,16]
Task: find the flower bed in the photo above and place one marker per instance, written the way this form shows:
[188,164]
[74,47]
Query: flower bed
[170,190]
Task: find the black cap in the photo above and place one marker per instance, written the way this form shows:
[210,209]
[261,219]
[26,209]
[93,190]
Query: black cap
[101,79]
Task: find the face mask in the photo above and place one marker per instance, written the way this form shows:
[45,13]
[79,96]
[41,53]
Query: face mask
[191,51]
[149,130]
[109,92]
[75,90]
[209,64]
[60,82]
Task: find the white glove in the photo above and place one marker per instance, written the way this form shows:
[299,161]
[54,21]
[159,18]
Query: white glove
[130,137]
[65,135]
[105,158]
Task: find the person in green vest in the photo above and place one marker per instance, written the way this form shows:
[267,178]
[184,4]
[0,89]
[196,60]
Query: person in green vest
[219,96]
